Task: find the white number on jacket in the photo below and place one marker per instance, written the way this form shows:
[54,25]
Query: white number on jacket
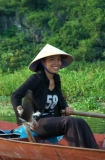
[52,100]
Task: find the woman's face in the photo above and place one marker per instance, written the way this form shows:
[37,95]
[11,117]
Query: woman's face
[53,63]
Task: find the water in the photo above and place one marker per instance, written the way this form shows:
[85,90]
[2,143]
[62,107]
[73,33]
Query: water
[97,125]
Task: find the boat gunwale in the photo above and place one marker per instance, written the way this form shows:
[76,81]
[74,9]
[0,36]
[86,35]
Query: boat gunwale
[52,145]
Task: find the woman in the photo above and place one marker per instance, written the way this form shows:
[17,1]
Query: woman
[42,92]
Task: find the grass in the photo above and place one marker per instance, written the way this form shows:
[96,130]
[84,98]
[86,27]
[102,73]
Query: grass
[7,113]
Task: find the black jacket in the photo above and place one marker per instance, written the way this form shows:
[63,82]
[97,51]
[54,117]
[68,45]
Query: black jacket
[38,84]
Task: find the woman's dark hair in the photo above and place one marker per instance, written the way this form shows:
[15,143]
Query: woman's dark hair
[39,67]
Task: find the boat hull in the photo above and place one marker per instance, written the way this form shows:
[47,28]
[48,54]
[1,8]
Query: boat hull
[16,149]
[11,149]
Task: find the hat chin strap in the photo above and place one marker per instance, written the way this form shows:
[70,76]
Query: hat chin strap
[46,68]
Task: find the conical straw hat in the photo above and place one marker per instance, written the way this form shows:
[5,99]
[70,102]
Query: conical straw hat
[49,50]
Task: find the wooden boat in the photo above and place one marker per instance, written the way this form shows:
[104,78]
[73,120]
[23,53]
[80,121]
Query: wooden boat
[16,149]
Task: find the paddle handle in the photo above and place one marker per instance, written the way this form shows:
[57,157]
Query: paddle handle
[29,134]
[28,130]
[88,114]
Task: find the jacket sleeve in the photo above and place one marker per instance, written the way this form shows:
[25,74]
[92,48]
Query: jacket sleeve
[30,84]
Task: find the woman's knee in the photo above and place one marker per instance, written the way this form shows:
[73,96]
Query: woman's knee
[67,120]
[81,122]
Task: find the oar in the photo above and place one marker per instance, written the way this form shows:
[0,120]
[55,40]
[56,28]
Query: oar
[28,130]
[88,114]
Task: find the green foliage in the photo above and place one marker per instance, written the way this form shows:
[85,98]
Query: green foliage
[16,52]
[6,111]
[34,4]
[36,19]
[77,27]
[87,82]
[10,81]
[10,32]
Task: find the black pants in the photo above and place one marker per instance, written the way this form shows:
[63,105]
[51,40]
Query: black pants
[76,130]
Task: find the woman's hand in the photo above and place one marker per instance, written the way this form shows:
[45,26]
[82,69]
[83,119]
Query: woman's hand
[68,111]
[20,110]
[34,124]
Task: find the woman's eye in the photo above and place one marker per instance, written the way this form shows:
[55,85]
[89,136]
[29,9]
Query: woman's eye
[52,59]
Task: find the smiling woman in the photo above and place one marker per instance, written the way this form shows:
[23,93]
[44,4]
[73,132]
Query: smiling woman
[42,93]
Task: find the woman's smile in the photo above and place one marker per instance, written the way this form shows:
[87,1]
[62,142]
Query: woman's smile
[56,68]
[53,63]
